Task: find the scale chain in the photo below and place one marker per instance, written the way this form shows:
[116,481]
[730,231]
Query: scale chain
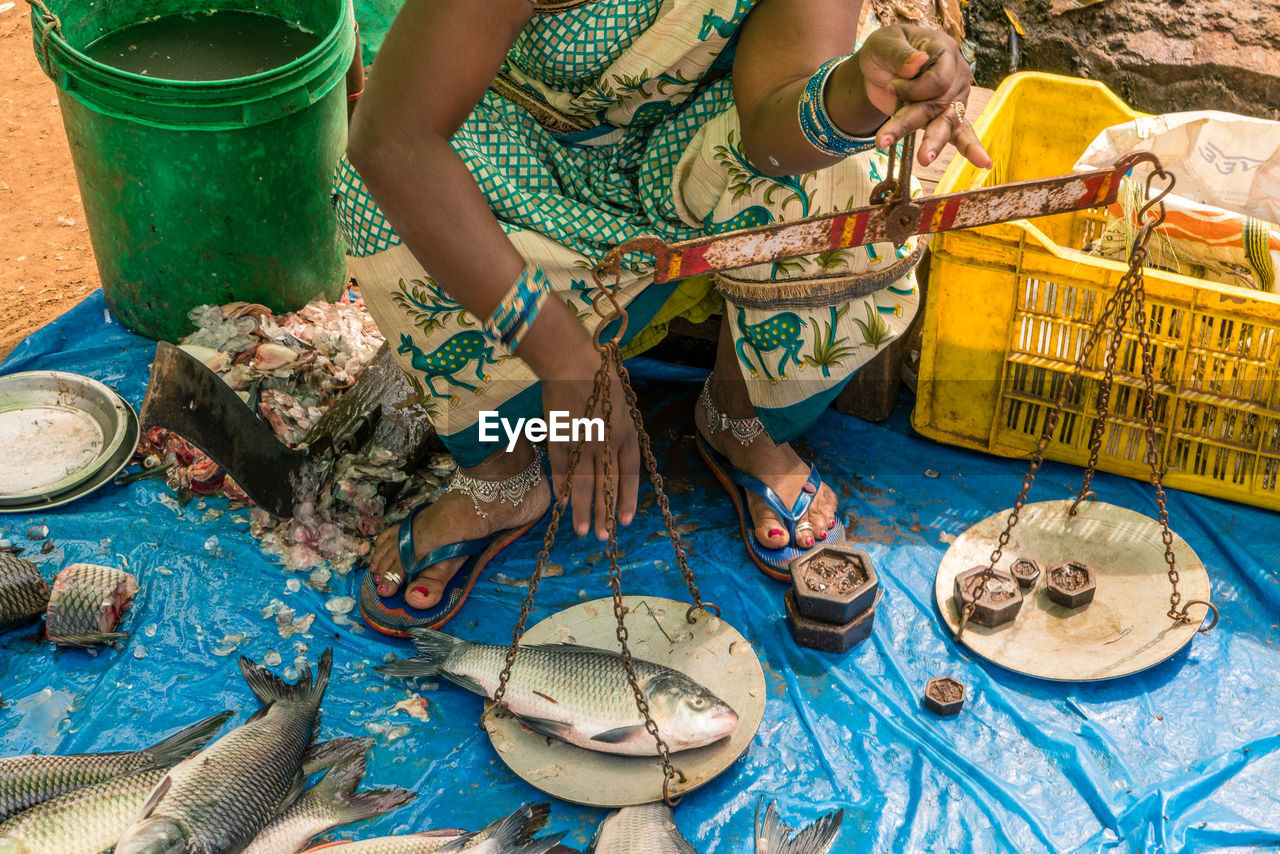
[1129,296]
[1051,424]
[611,357]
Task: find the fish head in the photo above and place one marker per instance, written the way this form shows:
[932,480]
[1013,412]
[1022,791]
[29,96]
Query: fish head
[687,713]
[157,835]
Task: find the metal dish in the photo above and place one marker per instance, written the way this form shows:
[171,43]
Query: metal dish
[58,430]
[1123,631]
[129,437]
[709,651]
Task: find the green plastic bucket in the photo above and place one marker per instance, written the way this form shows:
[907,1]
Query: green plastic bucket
[204,192]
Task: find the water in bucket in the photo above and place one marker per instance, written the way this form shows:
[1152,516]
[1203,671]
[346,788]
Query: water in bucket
[217,45]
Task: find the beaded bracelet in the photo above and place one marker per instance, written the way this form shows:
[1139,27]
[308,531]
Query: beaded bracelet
[520,305]
[816,123]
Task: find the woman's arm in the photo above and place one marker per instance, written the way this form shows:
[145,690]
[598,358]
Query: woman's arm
[434,67]
[785,41]
[432,70]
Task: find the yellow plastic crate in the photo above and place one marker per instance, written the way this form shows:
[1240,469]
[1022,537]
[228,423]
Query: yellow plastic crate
[1009,306]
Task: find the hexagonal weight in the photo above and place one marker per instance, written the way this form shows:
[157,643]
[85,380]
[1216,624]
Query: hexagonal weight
[1071,584]
[1001,598]
[834,584]
[944,695]
[1026,572]
[827,637]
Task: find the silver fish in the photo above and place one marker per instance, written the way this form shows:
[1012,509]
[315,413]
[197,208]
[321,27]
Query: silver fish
[774,837]
[87,603]
[645,829]
[85,821]
[651,829]
[92,819]
[330,803]
[511,835]
[578,694]
[24,594]
[218,801]
[28,780]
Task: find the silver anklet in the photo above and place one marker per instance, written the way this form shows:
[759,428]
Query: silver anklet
[512,490]
[744,430]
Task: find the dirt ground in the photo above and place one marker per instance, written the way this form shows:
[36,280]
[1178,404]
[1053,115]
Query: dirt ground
[47,260]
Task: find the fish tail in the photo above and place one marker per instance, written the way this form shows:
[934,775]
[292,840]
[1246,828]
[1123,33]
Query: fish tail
[536,846]
[433,650]
[270,688]
[514,834]
[177,747]
[327,754]
[338,788]
[817,838]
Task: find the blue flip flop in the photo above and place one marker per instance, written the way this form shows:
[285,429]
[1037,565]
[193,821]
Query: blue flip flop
[394,616]
[774,563]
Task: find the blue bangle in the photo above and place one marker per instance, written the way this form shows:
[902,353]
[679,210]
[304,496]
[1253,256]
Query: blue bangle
[518,309]
[816,123]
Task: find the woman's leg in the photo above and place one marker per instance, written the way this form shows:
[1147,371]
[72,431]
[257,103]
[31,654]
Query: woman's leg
[793,332]
[461,376]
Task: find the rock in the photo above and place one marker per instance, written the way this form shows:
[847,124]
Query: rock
[1159,57]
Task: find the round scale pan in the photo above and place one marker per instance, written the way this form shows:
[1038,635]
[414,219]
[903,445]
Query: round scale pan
[58,430]
[129,441]
[1124,630]
[710,651]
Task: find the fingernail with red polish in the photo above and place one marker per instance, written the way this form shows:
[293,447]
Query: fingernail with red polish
[886,141]
[776,532]
[931,156]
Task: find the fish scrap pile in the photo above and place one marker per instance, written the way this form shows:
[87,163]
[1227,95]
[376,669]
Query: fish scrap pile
[83,607]
[291,368]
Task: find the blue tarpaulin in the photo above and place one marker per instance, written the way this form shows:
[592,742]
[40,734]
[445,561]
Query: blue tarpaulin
[1182,757]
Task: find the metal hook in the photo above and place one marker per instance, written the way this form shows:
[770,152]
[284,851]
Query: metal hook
[1087,496]
[710,607]
[670,799]
[1211,608]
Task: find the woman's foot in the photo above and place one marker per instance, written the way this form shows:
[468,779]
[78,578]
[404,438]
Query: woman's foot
[454,518]
[777,466]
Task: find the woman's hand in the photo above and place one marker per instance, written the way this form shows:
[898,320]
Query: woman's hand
[909,74]
[915,76]
[569,392]
[559,350]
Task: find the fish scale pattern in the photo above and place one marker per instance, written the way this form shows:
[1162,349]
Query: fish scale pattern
[229,792]
[87,819]
[28,780]
[86,601]
[645,829]
[24,594]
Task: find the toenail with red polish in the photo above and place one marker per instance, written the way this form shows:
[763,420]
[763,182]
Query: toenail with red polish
[776,532]
[384,590]
[424,591]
